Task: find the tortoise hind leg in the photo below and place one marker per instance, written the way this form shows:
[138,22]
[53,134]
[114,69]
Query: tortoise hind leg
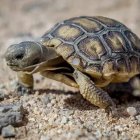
[93,94]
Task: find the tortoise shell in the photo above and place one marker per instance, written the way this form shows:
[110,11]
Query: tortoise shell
[101,47]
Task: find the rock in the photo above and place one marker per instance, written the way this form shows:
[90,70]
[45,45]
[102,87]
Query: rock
[131,111]
[12,115]
[8,131]
[138,118]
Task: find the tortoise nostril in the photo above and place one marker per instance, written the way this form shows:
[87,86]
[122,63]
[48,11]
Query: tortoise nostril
[19,56]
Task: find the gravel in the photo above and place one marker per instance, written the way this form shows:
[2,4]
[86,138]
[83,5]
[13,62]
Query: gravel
[71,117]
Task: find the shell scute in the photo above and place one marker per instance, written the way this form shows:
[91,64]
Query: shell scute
[134,64]
[122,65]
[67,50]
[88,25]
[115,41]
[109,69]
[94,70]
[67,32]
[91,47]
[134,40]
[108,22]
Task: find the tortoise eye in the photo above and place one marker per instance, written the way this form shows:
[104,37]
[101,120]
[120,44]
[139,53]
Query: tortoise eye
[19,56]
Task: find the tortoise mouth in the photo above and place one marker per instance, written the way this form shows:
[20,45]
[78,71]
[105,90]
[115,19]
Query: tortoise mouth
[15,67]
[33,68]
[11,65]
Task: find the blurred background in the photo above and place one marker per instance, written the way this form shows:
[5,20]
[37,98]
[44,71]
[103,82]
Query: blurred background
[22,19]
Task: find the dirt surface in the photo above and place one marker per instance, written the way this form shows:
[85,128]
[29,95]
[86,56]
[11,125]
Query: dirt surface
[56,111]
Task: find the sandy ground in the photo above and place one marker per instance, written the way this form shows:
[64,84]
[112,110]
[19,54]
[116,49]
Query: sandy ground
[56,111]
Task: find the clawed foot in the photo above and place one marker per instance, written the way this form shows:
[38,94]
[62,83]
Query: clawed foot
[112,111]
[21,90]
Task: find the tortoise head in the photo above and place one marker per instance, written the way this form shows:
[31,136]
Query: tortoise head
[25,54]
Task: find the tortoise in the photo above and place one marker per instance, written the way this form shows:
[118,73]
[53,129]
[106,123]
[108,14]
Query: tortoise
[84,52]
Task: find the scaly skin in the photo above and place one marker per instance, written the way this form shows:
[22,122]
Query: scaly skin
[94,95]
[25,83]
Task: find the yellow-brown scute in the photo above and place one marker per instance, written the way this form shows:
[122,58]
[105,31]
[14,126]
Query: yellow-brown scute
[116,41]
[134,65]
[94,71]
[107,21]
[66,49]
[121,70]
[134,40]
[88,25]
[92,48]
[68,32]
[108,69]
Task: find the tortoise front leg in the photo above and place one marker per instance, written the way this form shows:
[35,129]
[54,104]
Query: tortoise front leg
[94,95]
[60,78]
[25,83]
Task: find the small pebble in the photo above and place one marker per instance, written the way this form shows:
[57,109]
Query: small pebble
[13,84]
[2,86]
[32,119]
[98,134]
[8,131]
[131,111]
[45,99]
[119,128]
[135,83]
[53,101]
[44,137]
[136,93]
[49,105]
[138,118]
[64,120]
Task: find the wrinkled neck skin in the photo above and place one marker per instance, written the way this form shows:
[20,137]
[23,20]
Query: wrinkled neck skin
[48,54]
[49,60]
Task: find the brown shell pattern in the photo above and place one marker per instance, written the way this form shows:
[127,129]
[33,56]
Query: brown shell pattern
[98,44]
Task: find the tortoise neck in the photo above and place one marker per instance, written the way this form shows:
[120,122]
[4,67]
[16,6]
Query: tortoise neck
[49,54]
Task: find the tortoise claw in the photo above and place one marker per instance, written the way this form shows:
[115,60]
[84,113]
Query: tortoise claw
[112,112]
